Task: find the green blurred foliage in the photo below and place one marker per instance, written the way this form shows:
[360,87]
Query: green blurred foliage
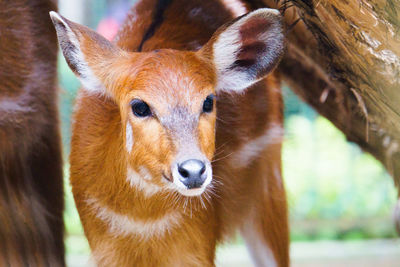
[332,185]
[69,85]
[335,191]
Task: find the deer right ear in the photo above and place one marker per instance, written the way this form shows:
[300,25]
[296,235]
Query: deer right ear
[86,52]
[245,50]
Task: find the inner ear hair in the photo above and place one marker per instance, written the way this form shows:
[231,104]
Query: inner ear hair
[246,49]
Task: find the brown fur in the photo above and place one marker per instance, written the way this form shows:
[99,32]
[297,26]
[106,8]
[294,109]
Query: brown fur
[31,186]
[240,196]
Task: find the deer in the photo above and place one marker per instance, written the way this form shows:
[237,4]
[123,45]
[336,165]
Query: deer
[31,166]
[177,133]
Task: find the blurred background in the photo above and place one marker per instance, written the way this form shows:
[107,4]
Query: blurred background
[340,199]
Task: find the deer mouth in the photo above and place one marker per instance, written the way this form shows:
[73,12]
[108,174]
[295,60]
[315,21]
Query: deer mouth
[167,177]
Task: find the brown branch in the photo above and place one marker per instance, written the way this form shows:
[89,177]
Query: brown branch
[343,58]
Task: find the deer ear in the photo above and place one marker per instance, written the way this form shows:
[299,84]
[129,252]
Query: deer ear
[246,49]
[86,52]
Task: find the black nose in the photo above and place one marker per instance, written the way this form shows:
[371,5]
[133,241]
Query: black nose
[192,172]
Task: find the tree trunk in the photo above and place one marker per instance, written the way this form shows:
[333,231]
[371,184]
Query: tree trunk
[343,58]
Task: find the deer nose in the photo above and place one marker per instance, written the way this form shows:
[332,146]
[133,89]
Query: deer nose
[193,173]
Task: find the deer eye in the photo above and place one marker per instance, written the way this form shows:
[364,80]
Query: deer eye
[208,104]
[140,108]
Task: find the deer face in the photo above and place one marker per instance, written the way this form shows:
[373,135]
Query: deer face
[169,111]
[167,97]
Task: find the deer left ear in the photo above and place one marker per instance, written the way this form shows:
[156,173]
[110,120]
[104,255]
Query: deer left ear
[89,55]
[246,49]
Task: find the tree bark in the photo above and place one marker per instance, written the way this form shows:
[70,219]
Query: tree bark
[343,58]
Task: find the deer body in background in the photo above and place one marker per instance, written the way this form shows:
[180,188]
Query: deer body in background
[177,134]
[31,184]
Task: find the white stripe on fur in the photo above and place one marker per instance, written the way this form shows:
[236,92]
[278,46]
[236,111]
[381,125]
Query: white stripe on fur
[129,137]
[257,246]
[141,181]
[251,149]
[120,224]
[237,8]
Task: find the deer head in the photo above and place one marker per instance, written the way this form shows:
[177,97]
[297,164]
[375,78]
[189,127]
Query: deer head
[167,97]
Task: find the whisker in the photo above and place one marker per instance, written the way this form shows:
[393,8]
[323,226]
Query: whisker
[213,193]
[214,160]
[217,182]
[185,204]
[221,120]
[202,202]
[207,197]
[190,206]
[222,145]
[176,200]
[218,153]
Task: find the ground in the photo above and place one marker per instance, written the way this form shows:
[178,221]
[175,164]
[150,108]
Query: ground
[372,253]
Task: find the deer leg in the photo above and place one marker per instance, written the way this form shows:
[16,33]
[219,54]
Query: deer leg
[266,230]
